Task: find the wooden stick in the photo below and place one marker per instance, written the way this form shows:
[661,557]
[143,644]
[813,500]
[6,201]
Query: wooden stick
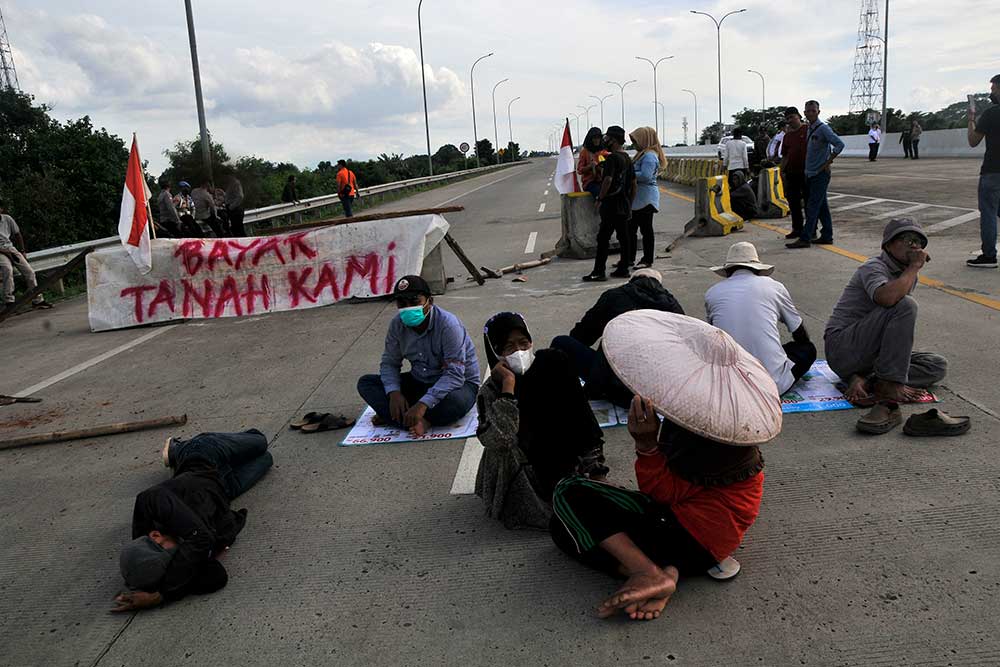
[470,267]
[524,265]
[332,222]
[93,432]
[50,279]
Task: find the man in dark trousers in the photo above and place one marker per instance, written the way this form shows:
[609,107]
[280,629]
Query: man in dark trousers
[347,187]
[234,206]
[615,205]
[181,526]
[822,148]
[644,291]
[290,194]
[793,167]
[987,126]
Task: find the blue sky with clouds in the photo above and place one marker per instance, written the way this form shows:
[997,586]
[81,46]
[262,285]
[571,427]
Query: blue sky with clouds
[312,80]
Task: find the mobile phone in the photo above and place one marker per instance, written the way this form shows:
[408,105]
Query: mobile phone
[972,103]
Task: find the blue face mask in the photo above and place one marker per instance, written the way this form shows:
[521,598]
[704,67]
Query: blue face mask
[413,316]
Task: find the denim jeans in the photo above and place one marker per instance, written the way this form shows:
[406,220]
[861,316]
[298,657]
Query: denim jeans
[817,208]
[347,202]
[241,458]
[453,407]
[989,210]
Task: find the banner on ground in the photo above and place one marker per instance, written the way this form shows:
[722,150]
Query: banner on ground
[212,278]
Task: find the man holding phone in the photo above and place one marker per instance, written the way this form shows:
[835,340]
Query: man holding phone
[987,126]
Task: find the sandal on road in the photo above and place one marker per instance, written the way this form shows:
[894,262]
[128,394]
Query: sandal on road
[725,570]
[306,419]
[934,422]
[11,400]
[881,419]
[328,423]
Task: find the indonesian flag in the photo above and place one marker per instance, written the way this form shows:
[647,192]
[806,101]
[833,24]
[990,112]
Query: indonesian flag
[134,222]
[566,167]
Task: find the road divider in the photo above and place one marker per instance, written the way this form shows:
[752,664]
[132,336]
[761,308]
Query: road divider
[771,200]
[713,213]
[580,222]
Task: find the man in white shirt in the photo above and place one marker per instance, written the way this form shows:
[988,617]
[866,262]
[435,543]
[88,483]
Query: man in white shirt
[11,255]
[774,148]
[734,155]
[874,138]
[748,306]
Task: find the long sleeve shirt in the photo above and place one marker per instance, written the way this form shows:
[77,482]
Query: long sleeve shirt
[234,195]
[204,204]
[822,144]
[168,212]
[734,154]
[443,356]
[647,169]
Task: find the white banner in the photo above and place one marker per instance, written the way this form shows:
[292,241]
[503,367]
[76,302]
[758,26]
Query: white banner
[210,278]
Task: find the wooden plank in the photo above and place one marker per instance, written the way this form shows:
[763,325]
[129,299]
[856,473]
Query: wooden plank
[332,222]
[466,262]
[93,432]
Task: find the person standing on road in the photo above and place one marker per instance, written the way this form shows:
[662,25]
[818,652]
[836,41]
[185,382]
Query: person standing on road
[793,167]
[906,138]
[614,202]
[735,157]
[12,250]
[204,209]
[588,166]
[290,194]
[987,126]
[874,138]
[234,206]
[822,148]
[169,219]
[915,132]
[648,162]
[347,187]
[443,380]
[760,145]
[774,146]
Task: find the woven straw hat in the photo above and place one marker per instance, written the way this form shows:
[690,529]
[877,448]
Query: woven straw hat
[697,376]
[743,254]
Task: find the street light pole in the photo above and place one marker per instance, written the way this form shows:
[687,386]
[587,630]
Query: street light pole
[577,116]
[423,84]
[718,42]
[510,128]
[587,110]
[885,69]
[663,122]
[206,147]
[601,100]
[656,100]
[621,87]
[472,87]
[763,102]
[496,135]
[695,113]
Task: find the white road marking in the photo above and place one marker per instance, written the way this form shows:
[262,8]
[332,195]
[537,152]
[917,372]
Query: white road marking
[541,209]
[901,211]
[79,368]
[916,178]
[832,197]
[838,195]
[530,247]
[858,205]
[465,477]
[448,201]
[954,222]
[546,193]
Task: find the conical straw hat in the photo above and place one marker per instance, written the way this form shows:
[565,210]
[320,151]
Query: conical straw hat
[697,376]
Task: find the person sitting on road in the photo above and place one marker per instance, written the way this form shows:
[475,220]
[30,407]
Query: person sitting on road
[443,380]
[588,166]
[535,424]
[12,254]
[742,198]
[748,305]
[700,473]
[645,290]
[181,526]
[869,336]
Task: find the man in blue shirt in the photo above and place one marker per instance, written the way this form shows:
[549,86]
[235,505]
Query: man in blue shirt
[443,380]
[822,148]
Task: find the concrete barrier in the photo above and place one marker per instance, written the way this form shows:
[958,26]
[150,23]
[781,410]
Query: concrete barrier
[713,213]
[433,270]
[933,143]
[771,200]
[580,222]
[687,171]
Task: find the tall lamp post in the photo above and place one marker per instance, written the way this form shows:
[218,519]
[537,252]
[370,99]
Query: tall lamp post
[656,99]
[587,111]
[663,122]
[423,84]
[695,113]
[206,146]
[718,42]
[763,99]
[621,87]
[601,100]
[472,87]
[510,128]
[496,135]
[577,117]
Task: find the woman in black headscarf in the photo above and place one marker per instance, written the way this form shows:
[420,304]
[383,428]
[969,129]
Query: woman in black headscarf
[592,154]
[535,424]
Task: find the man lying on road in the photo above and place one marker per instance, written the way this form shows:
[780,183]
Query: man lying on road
[181,526]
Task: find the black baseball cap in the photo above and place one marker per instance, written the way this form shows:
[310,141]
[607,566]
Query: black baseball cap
[411,286]
[617,132]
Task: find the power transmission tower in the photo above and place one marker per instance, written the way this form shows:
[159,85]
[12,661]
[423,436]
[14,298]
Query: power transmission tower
[684,124]
[8,76]
[866,85]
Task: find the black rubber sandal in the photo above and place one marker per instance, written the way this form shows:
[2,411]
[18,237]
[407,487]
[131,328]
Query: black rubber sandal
[308,418]
[328,423]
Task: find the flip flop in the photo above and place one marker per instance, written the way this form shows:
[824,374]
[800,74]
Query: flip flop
[725,570]
[328,423]
[44,305]
[305,420]
[936,423]
[881,419]
[865,402]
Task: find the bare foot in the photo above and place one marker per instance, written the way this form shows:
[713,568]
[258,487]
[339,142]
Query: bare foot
[896,391]
[912,393]
[420,428]
[857,389]
[643,595]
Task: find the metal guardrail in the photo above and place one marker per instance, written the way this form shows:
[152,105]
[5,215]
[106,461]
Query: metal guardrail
[50,258]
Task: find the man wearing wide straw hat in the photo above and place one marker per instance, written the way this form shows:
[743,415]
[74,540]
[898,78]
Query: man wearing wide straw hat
[700,473]
[748,306]
[869,336]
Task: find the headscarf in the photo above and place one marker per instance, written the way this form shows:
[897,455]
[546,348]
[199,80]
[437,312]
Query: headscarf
[496,332]
[645,141]
[592,142]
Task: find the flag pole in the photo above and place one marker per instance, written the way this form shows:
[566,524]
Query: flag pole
[149,211]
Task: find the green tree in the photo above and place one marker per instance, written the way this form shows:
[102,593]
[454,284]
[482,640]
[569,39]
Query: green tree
[750,120]
[485,151]
[711,134]
[186,162]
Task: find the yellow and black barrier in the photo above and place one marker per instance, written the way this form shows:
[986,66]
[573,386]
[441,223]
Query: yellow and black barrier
[687,171]
[771,194]
[713,213]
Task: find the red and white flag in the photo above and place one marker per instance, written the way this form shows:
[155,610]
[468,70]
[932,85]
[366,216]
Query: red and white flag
[134,222]
[566,167]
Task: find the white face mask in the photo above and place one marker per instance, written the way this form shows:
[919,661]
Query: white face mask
[520,361]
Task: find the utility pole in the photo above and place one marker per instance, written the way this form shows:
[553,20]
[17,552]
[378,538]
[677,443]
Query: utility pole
[472,87]
[718,42]
[206,147]
[423,84]
[885,70]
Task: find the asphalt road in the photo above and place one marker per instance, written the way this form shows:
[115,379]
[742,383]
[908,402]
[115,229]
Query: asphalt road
[868,551]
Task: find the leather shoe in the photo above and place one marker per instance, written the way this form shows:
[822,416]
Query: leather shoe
[595,278]
[793,235]
[823,241]
[798,244]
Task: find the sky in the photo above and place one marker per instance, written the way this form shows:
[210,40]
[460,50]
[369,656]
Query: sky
[308,80]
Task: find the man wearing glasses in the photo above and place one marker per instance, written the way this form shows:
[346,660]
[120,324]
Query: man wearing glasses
[869,337]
